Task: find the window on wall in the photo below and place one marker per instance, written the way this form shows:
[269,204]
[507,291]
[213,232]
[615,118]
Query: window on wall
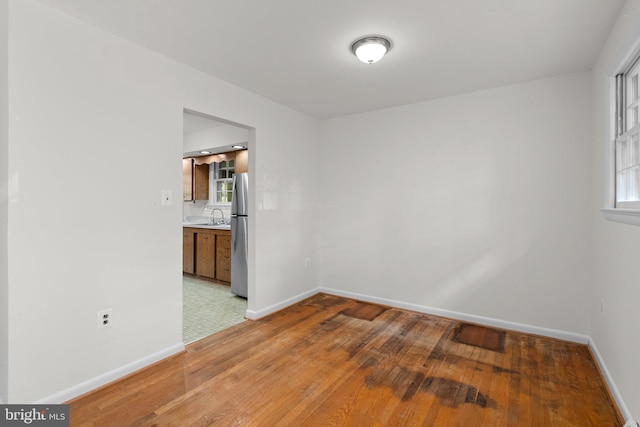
[622,186]
[627,142]
[224,184]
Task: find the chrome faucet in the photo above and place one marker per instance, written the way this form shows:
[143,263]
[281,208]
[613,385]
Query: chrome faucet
[213,215]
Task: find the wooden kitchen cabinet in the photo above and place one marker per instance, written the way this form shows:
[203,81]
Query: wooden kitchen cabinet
[195,180]
[195,173]
[223,258]
[207,253]
[242,161]
[201,182]
[188,253]
[187,179]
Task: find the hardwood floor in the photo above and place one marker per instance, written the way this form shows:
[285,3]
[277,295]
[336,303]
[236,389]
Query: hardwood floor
[334,361]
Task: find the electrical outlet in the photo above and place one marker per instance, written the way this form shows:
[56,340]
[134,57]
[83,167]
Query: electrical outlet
[105,318]
[307,262]
[602,306]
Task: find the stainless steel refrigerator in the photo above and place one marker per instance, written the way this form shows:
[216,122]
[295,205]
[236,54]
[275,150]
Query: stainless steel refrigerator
[239,235]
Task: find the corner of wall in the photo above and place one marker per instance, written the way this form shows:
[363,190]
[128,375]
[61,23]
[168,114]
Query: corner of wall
[613,389]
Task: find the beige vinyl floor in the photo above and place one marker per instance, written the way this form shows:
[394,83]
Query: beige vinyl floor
[208,308]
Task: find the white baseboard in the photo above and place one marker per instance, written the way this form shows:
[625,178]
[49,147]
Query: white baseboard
[503,324]
[488,321]
[255,315]
[612,385]
[108,377]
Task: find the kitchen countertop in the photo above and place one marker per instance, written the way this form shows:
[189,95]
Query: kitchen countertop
[207,226]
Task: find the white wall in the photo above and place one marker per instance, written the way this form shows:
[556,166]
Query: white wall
[475,203]
[218,136]
[97,121]
[4,178]
[616,246]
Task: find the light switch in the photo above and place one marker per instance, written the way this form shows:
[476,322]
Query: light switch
[166,198]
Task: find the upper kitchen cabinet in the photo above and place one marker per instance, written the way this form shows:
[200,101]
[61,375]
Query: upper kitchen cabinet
[195,180]
[242,161]
[214,171]
[226,169]
[187,179]
[201,182]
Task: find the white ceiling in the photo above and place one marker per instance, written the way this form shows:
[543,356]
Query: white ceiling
[296,52]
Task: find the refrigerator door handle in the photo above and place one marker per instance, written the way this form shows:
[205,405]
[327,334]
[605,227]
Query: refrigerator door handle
[234,195]
[234,235]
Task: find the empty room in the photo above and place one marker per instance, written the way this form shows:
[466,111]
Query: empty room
[440,222]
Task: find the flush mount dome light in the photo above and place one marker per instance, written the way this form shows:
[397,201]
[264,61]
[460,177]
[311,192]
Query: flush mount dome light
[371,49]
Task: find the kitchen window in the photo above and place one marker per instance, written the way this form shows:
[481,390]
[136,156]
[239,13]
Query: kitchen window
[624,200]
[224,181]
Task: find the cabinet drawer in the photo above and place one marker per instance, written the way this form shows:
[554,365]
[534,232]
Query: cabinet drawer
[223,244]
[223,258]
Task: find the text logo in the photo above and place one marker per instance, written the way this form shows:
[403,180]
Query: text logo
[34,415]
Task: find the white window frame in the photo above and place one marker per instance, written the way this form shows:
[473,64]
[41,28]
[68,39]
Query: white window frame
[623,212]
[215,191]
[214,180]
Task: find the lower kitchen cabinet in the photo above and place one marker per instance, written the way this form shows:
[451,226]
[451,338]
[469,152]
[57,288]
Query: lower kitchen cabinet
[223,258]
[207,253]
[188,251]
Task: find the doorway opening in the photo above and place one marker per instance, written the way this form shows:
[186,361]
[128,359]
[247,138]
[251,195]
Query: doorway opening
[214,248]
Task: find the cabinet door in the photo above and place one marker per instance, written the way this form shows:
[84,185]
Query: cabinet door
[205,255]
[242,161]
[201,182]
[223,258]
[188,245]
[187,179]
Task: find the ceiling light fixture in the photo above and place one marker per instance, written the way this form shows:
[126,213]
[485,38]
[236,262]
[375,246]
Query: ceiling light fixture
[205,152]
[238,147]
[371,49]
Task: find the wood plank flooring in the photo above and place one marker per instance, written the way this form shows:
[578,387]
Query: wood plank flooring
[332,361]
